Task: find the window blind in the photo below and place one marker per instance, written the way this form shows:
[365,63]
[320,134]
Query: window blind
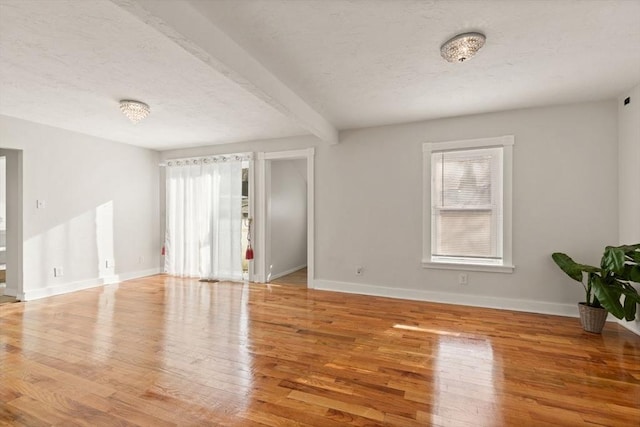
[466,200]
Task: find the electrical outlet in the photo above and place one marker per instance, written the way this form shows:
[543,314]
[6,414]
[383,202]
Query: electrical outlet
[359,271]
[140,260]
[108,263]
[463,279]
[40,204]
[58,272]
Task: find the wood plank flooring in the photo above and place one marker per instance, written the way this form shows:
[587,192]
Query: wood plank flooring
[6,299]
[162,351]
[297,278]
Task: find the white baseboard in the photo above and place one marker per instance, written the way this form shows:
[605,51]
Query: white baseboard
[64,288]
[138,274]
[530,306]
[289,271]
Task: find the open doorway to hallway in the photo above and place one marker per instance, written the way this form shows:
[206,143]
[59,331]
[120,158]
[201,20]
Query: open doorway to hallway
[286,219]
[10,225]
[3,227]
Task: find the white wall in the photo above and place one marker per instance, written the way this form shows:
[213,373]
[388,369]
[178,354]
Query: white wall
[370,195]
[629,166]
[369,204]
[288,216]
[629,174]
[101,203]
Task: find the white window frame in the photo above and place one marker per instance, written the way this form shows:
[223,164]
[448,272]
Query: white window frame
[506,264]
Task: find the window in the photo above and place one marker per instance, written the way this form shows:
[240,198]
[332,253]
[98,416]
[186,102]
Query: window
[467,204]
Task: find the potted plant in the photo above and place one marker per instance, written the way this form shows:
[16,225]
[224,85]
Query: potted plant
[606,285]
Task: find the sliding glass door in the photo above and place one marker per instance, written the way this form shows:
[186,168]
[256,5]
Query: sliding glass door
[204,217]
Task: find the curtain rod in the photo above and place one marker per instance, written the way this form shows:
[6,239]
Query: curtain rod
[207,159]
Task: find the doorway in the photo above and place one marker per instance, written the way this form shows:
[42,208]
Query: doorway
[207,211]
[3,227]
[11,240]
[286,217]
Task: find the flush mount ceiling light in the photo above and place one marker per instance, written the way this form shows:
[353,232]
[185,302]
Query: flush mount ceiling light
[134,110]
[462,47]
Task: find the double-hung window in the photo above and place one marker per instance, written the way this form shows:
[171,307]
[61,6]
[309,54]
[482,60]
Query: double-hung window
[467,204]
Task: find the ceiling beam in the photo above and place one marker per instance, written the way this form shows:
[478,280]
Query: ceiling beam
[187,27]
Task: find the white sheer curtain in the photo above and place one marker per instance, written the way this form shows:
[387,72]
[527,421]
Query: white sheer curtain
[204,219]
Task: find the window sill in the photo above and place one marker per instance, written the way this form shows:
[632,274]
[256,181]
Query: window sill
[468,267]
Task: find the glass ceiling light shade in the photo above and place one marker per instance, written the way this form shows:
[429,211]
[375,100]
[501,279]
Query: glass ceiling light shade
[134,110]
[462,47]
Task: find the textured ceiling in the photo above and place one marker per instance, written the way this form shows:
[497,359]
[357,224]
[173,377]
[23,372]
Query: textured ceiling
[300,66]
[366,63]
[68,63]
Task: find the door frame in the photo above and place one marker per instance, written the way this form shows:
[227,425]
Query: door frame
[15,216]
[264,195]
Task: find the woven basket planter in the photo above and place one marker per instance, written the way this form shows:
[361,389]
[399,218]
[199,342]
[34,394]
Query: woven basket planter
[592,318]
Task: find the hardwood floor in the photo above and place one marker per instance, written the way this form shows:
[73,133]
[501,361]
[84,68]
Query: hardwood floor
[164,351]
[297,278]
[5,299]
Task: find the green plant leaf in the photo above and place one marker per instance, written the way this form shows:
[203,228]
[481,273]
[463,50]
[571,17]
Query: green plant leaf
[572,268]
[630,291]
[631,252]
[620,267]
[613,259]
[634,256]
[629,248]
[630,306]
[608,295]
[569,266]
[631,273]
